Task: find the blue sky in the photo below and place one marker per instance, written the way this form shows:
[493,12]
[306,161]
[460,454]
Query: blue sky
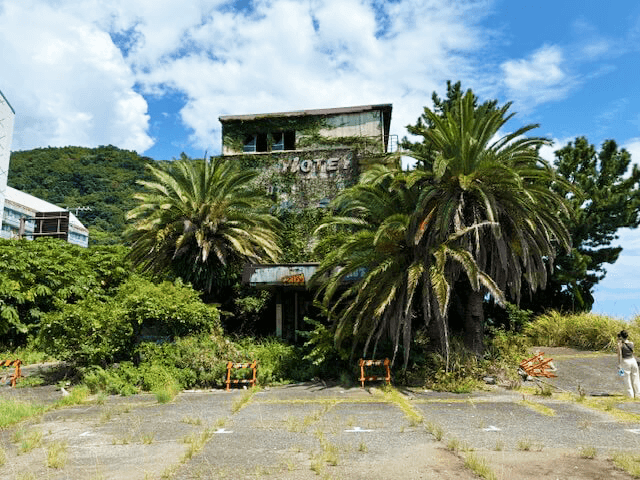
[155,75]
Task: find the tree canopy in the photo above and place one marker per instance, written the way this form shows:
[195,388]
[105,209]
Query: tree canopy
[101,180]
[41,276]
[198,217]
[477,213]
[606,197]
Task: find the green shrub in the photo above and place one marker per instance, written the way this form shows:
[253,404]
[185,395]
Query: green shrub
[195,360]
[167,309]
[506,347]
[121,380]
[98,331]
[464,372]
[326,360]
[278,361]
[28,354]
[90,332]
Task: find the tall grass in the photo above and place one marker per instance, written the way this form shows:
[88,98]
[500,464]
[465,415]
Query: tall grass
[12,412]
[585,331]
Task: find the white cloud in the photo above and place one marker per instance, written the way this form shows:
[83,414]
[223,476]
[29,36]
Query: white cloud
[540,78]
[294,55]
[68,82]
[548,152]
[78,64]
[633,147]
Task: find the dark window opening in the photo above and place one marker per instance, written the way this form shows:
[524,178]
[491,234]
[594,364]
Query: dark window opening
[260,142]
[249,144]
[289,140]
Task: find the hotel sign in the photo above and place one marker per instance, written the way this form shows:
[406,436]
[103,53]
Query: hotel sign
[316,165]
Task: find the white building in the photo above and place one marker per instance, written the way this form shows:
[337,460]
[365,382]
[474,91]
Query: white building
[7,115]
[42,219]
[24,215]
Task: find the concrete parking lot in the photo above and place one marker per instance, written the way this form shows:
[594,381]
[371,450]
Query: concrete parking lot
[312,431]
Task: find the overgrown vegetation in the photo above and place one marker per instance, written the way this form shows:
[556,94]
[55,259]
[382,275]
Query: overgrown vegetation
[101,180]
[585,331]
[392,249]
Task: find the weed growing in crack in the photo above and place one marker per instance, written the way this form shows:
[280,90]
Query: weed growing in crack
[57,455]
[588,452]
[479,466]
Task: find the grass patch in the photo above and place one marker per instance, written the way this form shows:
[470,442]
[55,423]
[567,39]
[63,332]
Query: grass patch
[609,405]
[392,395]
[436,430]
[3,456]
[584,331]
[329,454]
[192,420]
[588,452]
[12,412]
[30,381]
[537,407]
[244,399]
[27,440]
[528,445]
[57,455]
[479,466]
[77,395]
[167,392]
[196,443]
[628,462]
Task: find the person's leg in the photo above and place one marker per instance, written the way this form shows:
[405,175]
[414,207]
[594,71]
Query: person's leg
[626,379]
[635,379]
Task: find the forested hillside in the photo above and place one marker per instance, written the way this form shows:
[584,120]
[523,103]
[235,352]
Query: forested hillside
[101,179]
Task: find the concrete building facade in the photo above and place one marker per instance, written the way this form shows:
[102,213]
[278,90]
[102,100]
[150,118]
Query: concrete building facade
[304,159]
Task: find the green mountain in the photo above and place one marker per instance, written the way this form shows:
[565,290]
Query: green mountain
[96,184]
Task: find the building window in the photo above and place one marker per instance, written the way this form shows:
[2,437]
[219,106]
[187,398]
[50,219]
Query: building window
[284,141]
[259,142]
[250,143]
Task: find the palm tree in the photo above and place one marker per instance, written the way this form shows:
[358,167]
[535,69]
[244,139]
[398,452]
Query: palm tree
[198,217]
[373,278]
[480,214]
[480,178]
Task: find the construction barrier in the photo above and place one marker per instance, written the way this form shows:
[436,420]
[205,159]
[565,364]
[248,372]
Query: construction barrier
[538,366]
[251,381]
[374,363]
[17,373]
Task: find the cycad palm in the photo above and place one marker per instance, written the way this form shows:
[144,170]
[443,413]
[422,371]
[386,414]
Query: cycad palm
[483,213]
[478,178]
[374,278]
[198,216]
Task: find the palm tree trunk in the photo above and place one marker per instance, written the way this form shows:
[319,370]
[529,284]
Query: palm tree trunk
[474,323]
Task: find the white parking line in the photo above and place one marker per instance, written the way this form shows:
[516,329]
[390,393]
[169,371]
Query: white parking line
[357,430]
[491,428]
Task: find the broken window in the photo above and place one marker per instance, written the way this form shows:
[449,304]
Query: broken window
[284,141]
[258,142]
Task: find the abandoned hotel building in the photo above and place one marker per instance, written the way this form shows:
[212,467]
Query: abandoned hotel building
[304,158]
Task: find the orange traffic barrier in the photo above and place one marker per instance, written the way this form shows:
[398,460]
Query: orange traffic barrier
[251,381]
[17,373]
[374,363]
[538,366]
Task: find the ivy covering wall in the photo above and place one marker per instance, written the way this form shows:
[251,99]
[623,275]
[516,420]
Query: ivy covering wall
[303,179]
